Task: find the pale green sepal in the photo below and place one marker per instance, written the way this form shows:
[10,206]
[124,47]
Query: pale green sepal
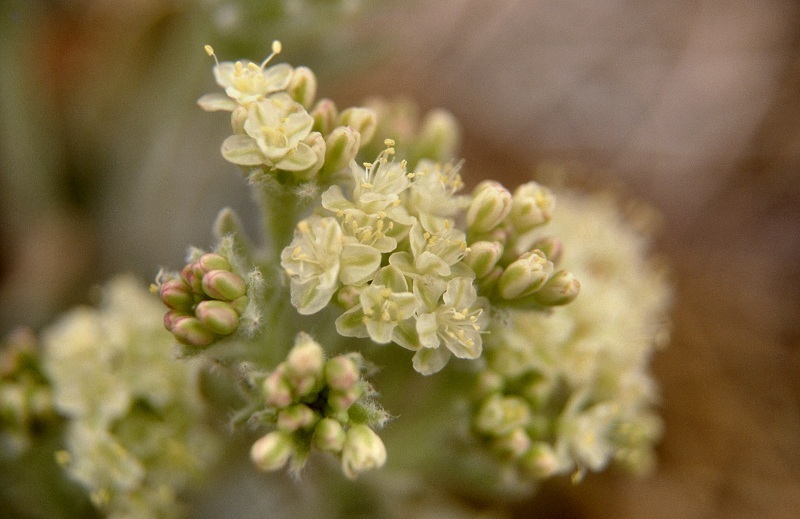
[358,263]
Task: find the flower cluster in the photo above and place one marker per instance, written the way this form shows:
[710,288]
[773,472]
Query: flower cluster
[570,391]
[136,434]
[314,402]
[206,300]
[277,128]
[390,246]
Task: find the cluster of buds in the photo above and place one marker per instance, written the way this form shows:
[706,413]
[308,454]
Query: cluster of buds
[512,264]
[314,402]
[205,300]
[26,398]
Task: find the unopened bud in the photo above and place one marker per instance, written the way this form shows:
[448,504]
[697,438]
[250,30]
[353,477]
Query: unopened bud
[362,450]
[297,416]
[513,444]
[194,281]
[224,285]
[341,147]
[217,316]
[560,289]
[438,136]
[324,114]
[532,206]
[329,435]
[277,391]
[483,256]
[488,382]
[213,261]
[189,331]
[303,86]
[177,294]
[240,304]
[541,461]
[525,275]
[499,415]
[341,373]
[362,120]
[272,451]
[341,400]
[551,247]
[304,365]
[490,205]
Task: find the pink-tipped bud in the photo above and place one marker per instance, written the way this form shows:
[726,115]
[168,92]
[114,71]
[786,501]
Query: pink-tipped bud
[560,289]
[525,275]
[341,373]
[217,316]
[324,114]
[224,285]
[213,261]
[295,417]
[189,331]
[272,451]
[177,294]
[483,256]
[341,400]
[329,435]
[276,390]
[552,248]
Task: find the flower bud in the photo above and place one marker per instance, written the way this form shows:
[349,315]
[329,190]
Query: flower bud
[189,331]
[541,461]
[304,365]
[525,275]
[329,435]
[490,205]
[224,285]
[483,256]
[194,281]
[560,289]
[341,373]
[213,261]
[272,451]
[438,136]
[277,391]
[303,86]
[499,415]
[550,246]
[240,304]
[362,120]
[362,450]
[513,444]
[217,316]
[297,416]
[488,382]
[324,114]
[532,205]
[341,147]
[341,400]
[177,294]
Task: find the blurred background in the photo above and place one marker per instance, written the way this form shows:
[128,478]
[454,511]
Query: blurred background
[692,106]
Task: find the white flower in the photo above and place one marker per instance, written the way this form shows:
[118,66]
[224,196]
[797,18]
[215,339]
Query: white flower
[319,259]
[456,324]
[277,134]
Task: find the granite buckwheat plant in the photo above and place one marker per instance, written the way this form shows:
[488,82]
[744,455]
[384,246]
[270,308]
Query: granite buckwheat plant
[374,259]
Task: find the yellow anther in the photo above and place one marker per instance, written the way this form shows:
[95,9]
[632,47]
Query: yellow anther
[389,142]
